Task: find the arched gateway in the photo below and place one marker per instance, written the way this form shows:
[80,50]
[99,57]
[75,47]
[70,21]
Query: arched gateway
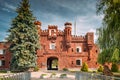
[52,63]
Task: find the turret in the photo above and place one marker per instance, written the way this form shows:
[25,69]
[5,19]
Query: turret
[90,42]
[90,38]
[38,24]
[68,31]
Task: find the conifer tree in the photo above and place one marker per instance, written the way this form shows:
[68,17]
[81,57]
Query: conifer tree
[24,38]
[84,67]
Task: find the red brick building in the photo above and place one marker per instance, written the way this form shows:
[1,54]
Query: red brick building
[5,55]
[69,51]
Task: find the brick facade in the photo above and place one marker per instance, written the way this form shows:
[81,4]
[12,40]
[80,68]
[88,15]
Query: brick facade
[71,51]
[67,48]
[5,55]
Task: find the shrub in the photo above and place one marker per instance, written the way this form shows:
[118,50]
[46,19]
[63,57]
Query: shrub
[36,68]
[65,69]
[100,69]
[84,67]
[114,68]
[63,75]
[53,75]
[3,71]
[43,76]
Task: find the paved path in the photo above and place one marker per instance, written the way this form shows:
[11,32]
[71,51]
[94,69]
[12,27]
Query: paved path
[54,79]
[36,75]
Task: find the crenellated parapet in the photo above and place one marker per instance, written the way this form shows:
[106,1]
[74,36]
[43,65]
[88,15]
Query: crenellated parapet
[60,33]
[44,32]
[78,38]
[52,32]
[52,26]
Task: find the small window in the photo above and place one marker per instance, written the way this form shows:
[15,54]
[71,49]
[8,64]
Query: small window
[85,49]
[72,49]
[2,51]
[78,49]
[2,62]
[52,45]
[78,62]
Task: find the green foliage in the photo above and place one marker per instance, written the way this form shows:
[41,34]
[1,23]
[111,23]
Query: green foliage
[55,62]
[108,34]
[42,76]
[104,57]
[84,67]
[63,75]
[65,69]
[100,69]
[23,38]
[53,75]
[114,68]
[36,68]
[3,71]
[115,56]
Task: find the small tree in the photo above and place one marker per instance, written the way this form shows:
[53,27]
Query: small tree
[100,69]
[84,67]
[114,68]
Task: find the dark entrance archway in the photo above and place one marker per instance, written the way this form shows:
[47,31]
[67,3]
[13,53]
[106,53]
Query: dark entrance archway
[52,63]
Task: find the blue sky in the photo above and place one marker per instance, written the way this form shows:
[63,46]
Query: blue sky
[54,12]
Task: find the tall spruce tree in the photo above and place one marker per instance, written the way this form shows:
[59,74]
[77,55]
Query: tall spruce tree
[24,38]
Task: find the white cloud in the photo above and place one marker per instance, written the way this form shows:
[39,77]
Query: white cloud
[51,19]
[88,23]
[3,35]
[4,40]
[100,17]
[84,24]
[10,6]
[5,9]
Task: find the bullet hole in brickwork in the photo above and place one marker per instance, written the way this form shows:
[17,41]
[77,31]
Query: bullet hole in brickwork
[96,51]
[72,62]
